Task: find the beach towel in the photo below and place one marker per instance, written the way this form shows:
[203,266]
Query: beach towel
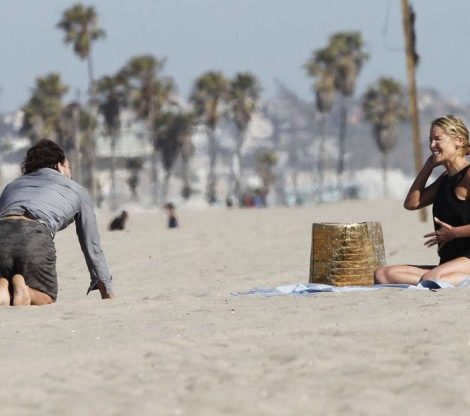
[314,288]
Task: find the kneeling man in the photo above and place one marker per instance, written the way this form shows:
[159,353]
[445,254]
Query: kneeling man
[32,209]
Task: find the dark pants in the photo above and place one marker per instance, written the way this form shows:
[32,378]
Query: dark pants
[27,248]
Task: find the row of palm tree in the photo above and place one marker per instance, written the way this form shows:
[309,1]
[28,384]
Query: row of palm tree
[335,69]
[214,98]
[139,86]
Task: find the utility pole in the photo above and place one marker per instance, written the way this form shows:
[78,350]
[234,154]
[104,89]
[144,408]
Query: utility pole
[413,107]
[77,138]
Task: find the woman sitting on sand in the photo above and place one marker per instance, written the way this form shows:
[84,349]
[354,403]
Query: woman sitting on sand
[450,196]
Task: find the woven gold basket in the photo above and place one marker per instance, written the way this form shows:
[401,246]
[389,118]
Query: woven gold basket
[346,254]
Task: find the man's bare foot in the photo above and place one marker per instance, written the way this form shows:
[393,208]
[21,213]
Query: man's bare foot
[21,295]
[4,292]
[39,298]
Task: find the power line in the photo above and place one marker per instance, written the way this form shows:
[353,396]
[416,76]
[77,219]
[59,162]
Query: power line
[385,31]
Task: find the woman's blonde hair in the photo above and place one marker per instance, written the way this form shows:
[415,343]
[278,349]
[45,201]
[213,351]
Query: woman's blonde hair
[454,127]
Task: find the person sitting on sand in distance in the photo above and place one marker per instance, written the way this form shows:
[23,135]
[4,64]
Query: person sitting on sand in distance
[450,196]
[32,209]
[119,222]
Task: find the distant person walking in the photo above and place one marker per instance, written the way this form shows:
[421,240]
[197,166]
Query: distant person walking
[32,209]
[450,196]
[172,218]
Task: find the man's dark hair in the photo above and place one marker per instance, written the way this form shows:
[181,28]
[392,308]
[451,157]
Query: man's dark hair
[44,154]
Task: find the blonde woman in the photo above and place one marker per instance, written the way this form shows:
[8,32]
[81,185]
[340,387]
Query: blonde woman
[450,198]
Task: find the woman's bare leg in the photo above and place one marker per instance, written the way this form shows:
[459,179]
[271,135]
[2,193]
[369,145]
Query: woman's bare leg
[4,292]
[402,274]
[454,271]
[21,295]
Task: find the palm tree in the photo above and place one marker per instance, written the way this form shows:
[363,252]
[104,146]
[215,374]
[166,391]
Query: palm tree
[265,162]
[269,111]
[111,95]
[384,107]
[43,110]
[149,94]
[187,152]
[76,123]
[70,136]
[243,96]
[81,27]
[134,165]
[208,97]
[321,67]
[175,130]
[349,57]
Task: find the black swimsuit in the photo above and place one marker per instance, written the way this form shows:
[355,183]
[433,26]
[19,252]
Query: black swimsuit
[455,212]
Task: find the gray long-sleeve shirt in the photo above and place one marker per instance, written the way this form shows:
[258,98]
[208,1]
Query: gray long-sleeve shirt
[55,200]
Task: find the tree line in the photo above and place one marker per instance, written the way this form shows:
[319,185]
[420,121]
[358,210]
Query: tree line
[335,69]
[141,87]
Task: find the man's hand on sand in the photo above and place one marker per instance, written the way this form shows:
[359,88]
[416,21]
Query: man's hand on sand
[104,293]
[441,236]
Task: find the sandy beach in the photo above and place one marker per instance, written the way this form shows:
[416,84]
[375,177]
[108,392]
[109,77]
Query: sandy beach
[176,342]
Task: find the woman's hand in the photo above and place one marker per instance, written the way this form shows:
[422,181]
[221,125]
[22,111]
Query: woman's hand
[443,235]
[431,162]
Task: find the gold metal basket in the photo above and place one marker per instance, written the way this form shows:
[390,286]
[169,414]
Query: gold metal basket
[346,254]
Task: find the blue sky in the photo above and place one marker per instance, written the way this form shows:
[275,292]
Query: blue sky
[271,38]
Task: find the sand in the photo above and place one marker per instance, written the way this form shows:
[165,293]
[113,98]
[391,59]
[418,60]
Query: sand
[176,342]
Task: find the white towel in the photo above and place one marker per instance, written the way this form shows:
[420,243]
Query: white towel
[312,288]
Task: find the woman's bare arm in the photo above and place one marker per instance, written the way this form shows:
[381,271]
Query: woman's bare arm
[420,195]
